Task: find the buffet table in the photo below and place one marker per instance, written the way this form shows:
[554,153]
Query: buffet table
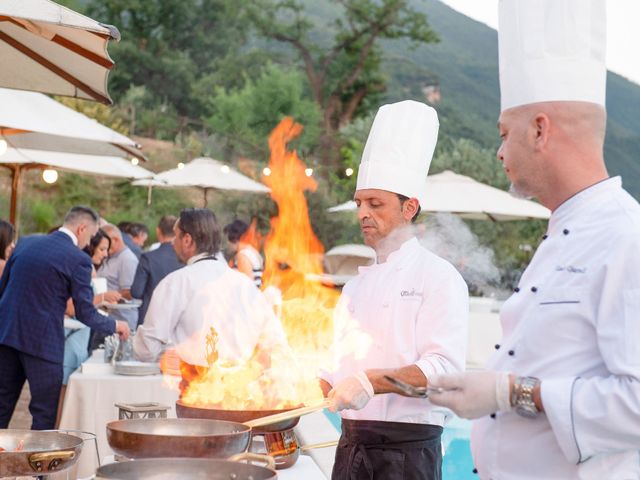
[89,406]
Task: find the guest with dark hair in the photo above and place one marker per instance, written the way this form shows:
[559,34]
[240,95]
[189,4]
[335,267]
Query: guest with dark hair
[7,242]
[124,228]
[245,256]
[41,274]
[155,265]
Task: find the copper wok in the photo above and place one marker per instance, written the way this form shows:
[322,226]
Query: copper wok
[177,437]
[240,416]
[184,469]
[43,452]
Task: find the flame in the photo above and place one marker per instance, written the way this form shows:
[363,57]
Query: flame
[252,236]
[285,376]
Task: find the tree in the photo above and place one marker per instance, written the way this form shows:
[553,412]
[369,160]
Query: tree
[342,76]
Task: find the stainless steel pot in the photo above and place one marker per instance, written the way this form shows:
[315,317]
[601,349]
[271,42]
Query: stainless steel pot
[177,437]
[184,469]
[42,453]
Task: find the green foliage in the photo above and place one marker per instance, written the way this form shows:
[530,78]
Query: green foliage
[246,116]
[43,216]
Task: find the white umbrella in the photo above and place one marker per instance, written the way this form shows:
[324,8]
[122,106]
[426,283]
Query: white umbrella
[19,160]
[205,173]
[49,48]
[468,198]
[33,120]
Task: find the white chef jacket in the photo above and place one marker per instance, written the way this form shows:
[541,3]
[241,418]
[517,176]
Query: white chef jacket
[414,309]
[204,294]
[574,322]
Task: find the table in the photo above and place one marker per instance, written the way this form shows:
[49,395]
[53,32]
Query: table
[89,405]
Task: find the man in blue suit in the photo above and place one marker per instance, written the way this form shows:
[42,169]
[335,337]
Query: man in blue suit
[43,272]
[155,265]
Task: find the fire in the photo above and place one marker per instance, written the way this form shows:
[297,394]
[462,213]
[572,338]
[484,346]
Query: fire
[283,377]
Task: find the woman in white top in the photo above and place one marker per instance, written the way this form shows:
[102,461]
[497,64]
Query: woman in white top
[246,258]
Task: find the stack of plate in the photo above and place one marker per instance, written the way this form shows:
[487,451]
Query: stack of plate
[136,368]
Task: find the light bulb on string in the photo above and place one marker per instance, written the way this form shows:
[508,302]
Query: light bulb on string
[50,175]
[348,172]
[266,171]
[180,166]
[308,172]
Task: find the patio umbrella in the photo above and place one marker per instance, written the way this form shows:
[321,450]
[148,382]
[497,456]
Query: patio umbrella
[49,48]
[468,198]
[19,160]
[33,120]
[204,173]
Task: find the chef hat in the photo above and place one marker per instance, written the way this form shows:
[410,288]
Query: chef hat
[552,50]
[399,149]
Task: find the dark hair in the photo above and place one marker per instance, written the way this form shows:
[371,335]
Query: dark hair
[80,212]
[95,241]
[203,227]
[165,225]
[404,199]
[7,234]
[124,226]
[235,230]
[136,229]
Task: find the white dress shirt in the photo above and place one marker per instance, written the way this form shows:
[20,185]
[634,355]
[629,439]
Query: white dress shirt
[204,294]
[574,322]
[412,309]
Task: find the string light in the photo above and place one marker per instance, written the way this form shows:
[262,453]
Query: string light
[180,166]
[308,172]
[224,169]
[266,171]
[348,172]
[134,161]
[49,175]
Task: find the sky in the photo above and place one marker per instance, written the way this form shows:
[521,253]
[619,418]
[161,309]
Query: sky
[623,32]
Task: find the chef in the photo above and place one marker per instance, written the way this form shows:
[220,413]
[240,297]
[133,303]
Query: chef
[409,310]
[561,397]
[205,294]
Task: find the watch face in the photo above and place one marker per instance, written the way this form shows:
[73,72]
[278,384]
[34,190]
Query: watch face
[528,411]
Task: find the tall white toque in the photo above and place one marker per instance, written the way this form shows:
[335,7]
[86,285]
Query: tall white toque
[552,50]
[399,149]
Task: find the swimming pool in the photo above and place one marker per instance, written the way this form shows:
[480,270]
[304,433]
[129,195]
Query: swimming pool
[457,463]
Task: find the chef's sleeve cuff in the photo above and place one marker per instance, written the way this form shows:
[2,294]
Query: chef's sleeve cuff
[431,366]
[557,399]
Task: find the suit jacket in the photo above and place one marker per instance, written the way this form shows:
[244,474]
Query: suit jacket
[153,267]
[43,272]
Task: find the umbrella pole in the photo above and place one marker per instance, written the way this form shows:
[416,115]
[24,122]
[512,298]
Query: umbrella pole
[204,190]
[149,194]
[15,184]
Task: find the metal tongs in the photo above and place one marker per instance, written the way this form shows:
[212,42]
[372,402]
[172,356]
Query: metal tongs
[410,390]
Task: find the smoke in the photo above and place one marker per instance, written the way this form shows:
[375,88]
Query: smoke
[449,237]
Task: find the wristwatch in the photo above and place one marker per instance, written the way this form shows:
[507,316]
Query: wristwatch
[522,397]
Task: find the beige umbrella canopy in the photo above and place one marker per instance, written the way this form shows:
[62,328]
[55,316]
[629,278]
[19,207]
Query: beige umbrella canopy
[468,198]
[205,173]
[49,48]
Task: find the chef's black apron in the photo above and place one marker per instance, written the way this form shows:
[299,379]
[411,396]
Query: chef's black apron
[374,450]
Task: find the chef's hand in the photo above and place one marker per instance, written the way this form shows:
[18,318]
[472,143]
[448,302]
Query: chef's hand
[351,393]
[122,329]
[472,394]
[111,296]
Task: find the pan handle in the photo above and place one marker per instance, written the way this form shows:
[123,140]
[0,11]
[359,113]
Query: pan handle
[52,459]
[269,462]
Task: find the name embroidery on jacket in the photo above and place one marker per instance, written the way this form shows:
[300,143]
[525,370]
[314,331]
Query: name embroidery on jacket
[410,293]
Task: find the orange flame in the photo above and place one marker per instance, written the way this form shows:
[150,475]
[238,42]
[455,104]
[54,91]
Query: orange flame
[293,256]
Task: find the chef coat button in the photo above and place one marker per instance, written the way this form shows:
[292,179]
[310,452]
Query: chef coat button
[517,289]
[475,470]
[534,289]
[511,352]
[493,415]
[497,346]
[565,231]
[545,236]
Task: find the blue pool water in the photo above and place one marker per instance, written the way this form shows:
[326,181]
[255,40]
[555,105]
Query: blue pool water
[457,463]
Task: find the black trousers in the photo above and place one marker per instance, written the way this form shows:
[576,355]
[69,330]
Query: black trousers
[373,450]
[45,381]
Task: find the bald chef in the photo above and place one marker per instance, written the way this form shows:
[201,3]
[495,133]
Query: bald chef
[411,306]
[561,398]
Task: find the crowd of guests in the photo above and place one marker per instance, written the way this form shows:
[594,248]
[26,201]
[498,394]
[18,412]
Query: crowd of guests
[91,264]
